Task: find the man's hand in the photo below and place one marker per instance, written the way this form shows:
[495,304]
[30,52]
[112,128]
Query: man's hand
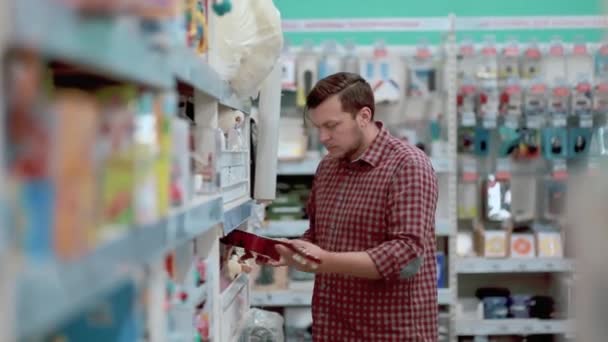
[297,260]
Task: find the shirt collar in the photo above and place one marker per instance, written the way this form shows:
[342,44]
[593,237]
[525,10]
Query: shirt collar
[373,154]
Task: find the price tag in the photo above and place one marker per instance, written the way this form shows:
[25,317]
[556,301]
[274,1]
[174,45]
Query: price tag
[522,266]
[528,329]
[503,169]
[559,121]
[489,122]
[550,266]
[495,266]
[586,121]
[468,119]
[512,122]
[534,121]
[560,169]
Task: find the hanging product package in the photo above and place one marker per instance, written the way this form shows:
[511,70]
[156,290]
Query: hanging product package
[262,326]
[249,44]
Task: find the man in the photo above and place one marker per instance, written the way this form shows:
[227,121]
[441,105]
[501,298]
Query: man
[372,211]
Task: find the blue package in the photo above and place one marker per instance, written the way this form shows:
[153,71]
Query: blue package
[37,204]
[482,141]
[495,307]
[112,318]
[555,143]
[579,141]
[520,306]
[441,267]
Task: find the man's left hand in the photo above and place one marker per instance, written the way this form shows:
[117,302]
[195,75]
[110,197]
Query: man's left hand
[298,261]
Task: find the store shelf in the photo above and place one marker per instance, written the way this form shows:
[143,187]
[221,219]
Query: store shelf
[233,290]
[441,165]
[485,327]
[443,227]
[303,297]
[109,46]
[194,219]
[303,167]
[537,265]
[285,229]
[67,288]
[308,166]
[445,296]
[191,69]
[236,215]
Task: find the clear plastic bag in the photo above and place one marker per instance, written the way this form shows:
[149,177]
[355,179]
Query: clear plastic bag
[262,326]
[249,44]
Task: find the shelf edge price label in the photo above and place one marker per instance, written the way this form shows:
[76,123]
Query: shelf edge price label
[528,329]
[522,266]
[559,169]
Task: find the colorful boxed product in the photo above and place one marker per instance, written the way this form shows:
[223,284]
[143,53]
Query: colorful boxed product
[116,157]
[77,114]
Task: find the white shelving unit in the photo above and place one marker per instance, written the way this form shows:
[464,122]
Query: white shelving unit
[303,297]
[109,47]
[497,327]
[532,265]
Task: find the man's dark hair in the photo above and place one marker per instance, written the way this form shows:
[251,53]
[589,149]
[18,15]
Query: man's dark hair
[353,91]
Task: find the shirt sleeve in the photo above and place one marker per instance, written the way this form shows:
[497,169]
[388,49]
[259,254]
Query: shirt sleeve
[411,208]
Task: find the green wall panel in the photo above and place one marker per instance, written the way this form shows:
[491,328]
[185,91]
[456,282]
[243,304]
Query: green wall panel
[329,9]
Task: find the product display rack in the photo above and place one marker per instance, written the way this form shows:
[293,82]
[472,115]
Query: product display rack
[42,296]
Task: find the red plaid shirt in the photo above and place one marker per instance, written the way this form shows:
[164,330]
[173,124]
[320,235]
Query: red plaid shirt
[384,203]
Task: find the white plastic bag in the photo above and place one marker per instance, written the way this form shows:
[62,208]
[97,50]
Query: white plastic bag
[249,44]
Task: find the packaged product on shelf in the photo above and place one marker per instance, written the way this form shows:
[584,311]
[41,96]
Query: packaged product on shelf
[422,73]
[554,62]
[555,143]
[508,63]
[467,60]
[553,198]
[579,141]
[116,159]
[29,187]
[467,200]
[535,104]
[511,103]
[579,63]
[164,109]
[331,61]
[531,63]
[497,199]
[351,60]
[77,116]
[559,104]
[307,73]
[180,162]
[268,278]
[288,70]
[601,62]
[146,153]
[491,243]
[442,280]
[382,72]
[196,25]
[582,102]
[524,199]
[466,102]
[523,245]
[487,67]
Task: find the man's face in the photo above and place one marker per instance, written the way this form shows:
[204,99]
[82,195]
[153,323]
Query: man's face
[339,131]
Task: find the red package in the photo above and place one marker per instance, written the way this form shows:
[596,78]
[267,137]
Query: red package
[261,245]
